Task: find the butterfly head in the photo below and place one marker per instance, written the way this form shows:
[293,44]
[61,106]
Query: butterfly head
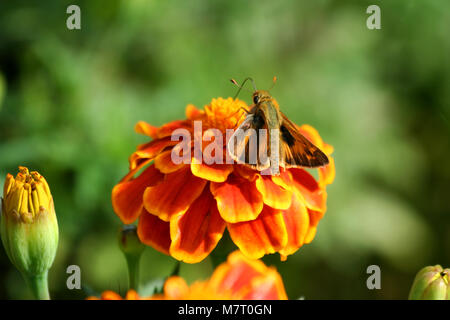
[261,96]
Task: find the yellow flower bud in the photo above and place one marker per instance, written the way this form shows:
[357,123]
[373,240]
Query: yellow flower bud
[28,226]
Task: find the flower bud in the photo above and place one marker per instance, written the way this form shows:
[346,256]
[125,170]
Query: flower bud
[132,249]
[129,241]
[29,229]
[431,283]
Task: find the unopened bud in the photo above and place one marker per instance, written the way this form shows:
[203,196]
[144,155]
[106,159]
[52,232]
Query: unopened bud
[431,283]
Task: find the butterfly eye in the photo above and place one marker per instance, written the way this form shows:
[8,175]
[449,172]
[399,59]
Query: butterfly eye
[255,99]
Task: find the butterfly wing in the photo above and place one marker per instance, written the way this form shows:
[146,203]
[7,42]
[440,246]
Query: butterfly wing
[244,145]
[297,150]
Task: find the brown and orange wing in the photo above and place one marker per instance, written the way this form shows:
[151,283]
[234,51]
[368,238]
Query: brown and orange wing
[297,150]
[246,146]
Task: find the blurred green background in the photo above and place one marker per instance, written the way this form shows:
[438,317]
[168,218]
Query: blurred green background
[70,99]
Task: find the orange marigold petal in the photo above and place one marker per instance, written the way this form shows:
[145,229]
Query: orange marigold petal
[196,232]
[327,173]
[127,196]
[306,187]
[213,172]
[273,195]
[154,232]
[269,287]
[237,199]
[245,172]
[167,129]
[149,151]
[284,179]
[246,278]
[236,273]
[311,234]
[144,128]
[132,295]
[315,216]
[328,148]
[264,235]
[110,295]
[175,288]
[174,194]
[192,113]
[296,220]
[164,163]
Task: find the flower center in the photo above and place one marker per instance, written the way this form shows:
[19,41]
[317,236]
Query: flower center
[224,114]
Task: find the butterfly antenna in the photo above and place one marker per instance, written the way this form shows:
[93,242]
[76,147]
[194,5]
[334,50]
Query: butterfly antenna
[242,85]
[274,82]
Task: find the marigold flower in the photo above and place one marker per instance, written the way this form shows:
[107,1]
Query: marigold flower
[111,295]
[239,278]
[183,209]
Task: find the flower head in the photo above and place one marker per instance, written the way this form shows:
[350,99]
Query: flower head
[111,295]
[184,208]
[239,278]
[29,229]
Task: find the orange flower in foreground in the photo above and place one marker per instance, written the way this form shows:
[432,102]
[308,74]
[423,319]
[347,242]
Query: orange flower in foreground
[111,295]
[183,209]
[239,278]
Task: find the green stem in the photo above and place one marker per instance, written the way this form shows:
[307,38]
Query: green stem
[38,285]
[133,270]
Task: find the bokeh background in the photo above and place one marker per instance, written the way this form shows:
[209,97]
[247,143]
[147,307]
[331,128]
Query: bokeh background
[70,99]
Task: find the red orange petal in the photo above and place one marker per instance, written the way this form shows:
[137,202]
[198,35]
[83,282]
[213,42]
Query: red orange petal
[154,232]
[315,216]
[196,232]
[245,172]
[237,199]
[164,163]
[144,128]
[306,187]
[236,273]
[192,113]
[266,234]
[167,129]
[269,287]
[284,179]
[110,295]
[175,288]
[213,172]
[327,173]
[246,278]
[174,194]
[296,220]
[149,151]
[132,295]
[327,148]
[127,197]
[273,195]
[311,234]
